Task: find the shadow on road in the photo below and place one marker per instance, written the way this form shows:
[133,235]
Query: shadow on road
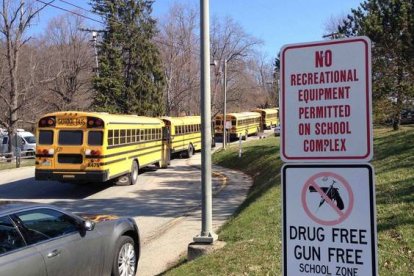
[31,189]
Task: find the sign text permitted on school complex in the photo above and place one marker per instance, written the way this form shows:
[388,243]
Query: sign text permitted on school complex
[326,101]
[329,220]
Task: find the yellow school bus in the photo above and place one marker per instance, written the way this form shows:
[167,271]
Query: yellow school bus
[240,124]
[270,117]
[185,134]
[96,147]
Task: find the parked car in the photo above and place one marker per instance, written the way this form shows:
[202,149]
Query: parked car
[25,140]
[45,240]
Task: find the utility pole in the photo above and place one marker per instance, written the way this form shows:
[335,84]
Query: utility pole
[207,235]
[225,104]
[94,36]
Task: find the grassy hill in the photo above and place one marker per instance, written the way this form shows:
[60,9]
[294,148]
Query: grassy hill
[253,236]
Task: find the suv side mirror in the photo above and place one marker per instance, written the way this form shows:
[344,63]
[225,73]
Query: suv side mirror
[88,225]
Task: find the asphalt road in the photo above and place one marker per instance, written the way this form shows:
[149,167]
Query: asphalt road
[159,199]
[159,196]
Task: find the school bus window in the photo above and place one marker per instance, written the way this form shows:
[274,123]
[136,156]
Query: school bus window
[95,138]
[137,135]
[154,134]
[116,137]
[145,132]
[128,136]
[141,135]
[46,137]
[110,137]
[122,136]
[132,137]
[70,137]
[234,122]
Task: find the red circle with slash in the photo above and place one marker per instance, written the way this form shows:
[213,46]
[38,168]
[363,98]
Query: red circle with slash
[311,182]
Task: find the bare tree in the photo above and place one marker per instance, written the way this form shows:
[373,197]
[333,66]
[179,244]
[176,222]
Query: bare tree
[331,25]
[231,43]
[265,94]
[15,19]
[71,57]
[178,43]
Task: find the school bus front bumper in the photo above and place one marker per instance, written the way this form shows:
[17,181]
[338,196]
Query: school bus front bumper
[72,176]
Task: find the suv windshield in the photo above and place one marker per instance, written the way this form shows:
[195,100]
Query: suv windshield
[30,139]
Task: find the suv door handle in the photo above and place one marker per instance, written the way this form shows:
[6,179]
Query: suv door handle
[53,253]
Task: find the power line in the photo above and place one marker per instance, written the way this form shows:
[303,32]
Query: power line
[76,6]
[66,10]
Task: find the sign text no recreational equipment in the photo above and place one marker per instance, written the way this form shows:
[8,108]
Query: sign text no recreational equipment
[326,101]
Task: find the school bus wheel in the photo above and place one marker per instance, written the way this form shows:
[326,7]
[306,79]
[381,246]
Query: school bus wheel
[190,151]
[130,178]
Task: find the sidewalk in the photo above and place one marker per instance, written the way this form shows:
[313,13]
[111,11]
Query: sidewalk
[164,250]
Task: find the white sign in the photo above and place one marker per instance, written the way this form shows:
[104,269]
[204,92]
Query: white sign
[326,101]
[228,124]
[329,223]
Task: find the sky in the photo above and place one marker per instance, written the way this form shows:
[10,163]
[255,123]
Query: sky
[275,22]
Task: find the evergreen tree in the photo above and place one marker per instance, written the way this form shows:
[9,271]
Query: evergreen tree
[131,78]
[390,26]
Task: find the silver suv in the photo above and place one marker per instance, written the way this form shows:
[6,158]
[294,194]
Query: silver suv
[44,240]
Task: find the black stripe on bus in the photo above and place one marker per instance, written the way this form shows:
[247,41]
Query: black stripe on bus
[127,123]
[132,144]
[44,155]
[121,153]
[113,161]
[197,139]
[145,153]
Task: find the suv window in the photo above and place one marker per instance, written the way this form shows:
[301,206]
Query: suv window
[42,224]
[10,238]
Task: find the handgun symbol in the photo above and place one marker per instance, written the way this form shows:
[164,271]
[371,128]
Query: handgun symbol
[332,193]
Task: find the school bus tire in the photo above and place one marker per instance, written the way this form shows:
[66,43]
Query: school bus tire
[130,178]
[213,142]
[190,151]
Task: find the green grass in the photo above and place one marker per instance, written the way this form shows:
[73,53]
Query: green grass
[253,236]
[12,165]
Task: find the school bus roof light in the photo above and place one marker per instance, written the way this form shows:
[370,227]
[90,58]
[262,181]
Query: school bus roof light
[47,121]
[95,122]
